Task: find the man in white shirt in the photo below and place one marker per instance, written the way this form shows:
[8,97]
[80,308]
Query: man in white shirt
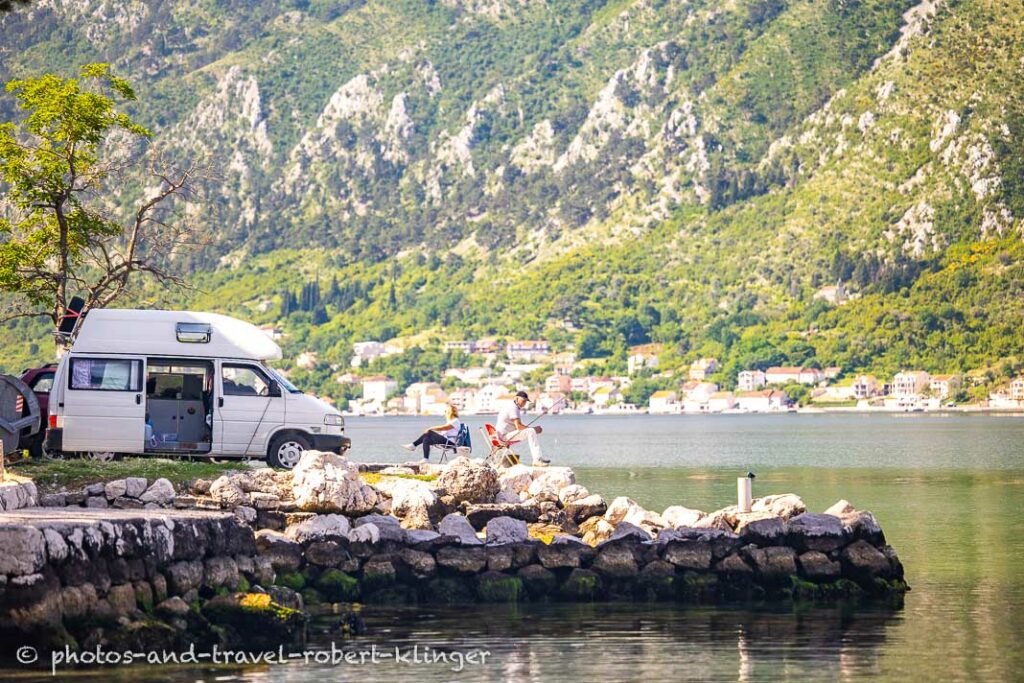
[511,428]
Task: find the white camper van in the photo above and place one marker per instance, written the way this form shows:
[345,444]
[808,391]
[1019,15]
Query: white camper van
[182,383]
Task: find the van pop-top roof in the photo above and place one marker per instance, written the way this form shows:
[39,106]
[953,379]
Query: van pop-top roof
[172,333]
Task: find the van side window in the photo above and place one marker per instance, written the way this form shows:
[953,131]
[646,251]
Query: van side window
[244,380]
[105,374]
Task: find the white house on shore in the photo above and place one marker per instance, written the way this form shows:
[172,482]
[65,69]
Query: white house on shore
[557,383]
[487,398]
[750,380]
[910,384]
[378,389]
[663,402]
[527,350]
[763,401]
[642,356]
[1009,396]
[702,368]
[945,386]
[605,396]
[465,346]
[790,374]
[865,386]
[721,401]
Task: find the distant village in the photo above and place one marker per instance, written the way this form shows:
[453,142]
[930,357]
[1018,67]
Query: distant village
[507,367]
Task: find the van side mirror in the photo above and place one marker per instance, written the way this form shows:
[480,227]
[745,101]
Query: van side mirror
[275,389]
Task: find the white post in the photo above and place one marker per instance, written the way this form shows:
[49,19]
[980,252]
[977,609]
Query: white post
[744,491]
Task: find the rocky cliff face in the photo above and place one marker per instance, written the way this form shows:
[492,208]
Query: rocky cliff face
[735,156]
[604,116]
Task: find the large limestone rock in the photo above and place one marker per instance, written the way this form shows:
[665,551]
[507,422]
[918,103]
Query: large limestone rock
[817,566]
[389,527]
[226,490]
[572,493]
[319,528]
[721,543]
[864,562]
[562,552]
[773,562]
[689,554]
[462,559]
[15,495]
[504,530]
[458,526]
[862,525]
[718,520]
[326,482]
[553,478]
[469,481]
[284,553]
[596,530]
[619,508]
[24,550]
[480,515]
[616,561]
[811,531]
[785,505]
[135,486]
[585,508]
[266,480]
[624,509]
[515,480]
[761,530]
[116,489]
[840,508]
[677,516]
[412,501]
[160,492]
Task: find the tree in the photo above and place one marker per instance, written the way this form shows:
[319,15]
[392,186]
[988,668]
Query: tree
[64,166]
[8,5]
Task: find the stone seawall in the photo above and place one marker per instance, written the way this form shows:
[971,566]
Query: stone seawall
[136,578]
[812,557]
[283,544]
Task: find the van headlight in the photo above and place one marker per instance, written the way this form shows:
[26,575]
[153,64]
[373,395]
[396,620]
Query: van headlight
[334,420]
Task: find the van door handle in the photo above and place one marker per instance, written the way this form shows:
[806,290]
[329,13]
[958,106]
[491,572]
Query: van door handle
[138,399]
[220,402]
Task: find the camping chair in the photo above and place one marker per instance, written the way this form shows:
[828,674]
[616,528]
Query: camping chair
[453,444]
[501,454]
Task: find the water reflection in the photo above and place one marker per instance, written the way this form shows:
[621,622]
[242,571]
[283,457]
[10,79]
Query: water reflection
[638,642]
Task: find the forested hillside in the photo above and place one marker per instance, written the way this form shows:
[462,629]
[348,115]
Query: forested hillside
[599,174]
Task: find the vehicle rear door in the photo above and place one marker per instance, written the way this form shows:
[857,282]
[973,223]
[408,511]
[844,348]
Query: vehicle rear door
[104,404]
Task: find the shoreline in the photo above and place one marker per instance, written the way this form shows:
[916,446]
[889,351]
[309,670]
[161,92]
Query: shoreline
[966,410]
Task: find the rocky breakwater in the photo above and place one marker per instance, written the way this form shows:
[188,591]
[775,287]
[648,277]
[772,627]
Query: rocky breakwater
[466,531]
[137,579]
[242,559]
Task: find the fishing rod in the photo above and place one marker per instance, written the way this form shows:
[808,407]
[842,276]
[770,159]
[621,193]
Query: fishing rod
[544,412]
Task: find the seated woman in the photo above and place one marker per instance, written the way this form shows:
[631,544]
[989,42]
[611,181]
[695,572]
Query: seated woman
[439,434]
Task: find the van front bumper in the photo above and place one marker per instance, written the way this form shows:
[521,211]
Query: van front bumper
[331,443]
[54,441]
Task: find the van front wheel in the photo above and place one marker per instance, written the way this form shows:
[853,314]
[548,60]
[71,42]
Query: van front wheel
[286,450]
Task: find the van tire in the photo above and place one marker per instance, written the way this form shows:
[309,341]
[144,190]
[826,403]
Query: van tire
[286,450]
[101,456]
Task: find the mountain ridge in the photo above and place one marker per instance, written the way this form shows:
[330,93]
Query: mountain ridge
[717,164]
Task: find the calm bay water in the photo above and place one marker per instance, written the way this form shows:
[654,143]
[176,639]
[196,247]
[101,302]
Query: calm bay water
[948,490]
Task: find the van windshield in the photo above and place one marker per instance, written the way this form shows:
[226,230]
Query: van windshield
[288,386]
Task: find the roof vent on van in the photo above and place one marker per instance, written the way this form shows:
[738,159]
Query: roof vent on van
[194,333]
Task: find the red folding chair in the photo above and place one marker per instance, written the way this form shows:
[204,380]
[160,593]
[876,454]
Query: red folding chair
[501,454]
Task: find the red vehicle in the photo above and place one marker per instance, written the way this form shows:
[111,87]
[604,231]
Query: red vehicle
[40,381]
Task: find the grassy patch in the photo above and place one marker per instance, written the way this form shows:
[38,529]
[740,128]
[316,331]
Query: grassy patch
[373,478]
[57,475]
